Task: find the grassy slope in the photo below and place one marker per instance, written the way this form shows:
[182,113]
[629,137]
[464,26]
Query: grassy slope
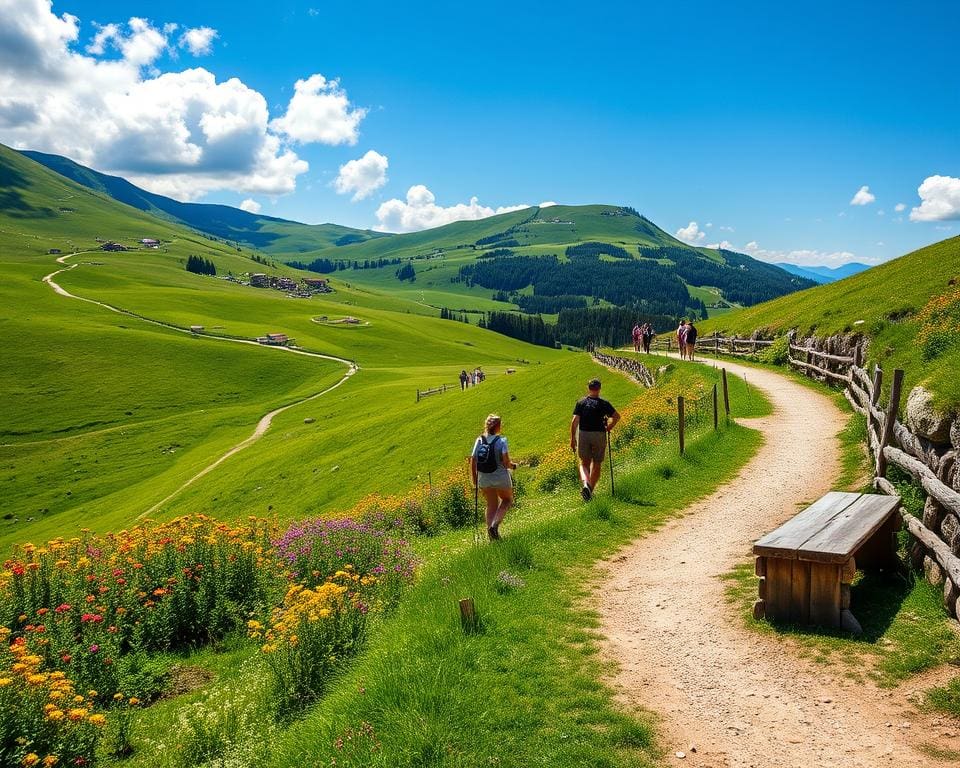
[523,692]
[265,232]
[885,299]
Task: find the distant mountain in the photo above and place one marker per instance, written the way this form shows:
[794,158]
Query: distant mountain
[824,275]
[267,233]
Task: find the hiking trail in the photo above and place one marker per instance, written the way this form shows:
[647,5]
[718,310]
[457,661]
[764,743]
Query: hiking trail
[744,699]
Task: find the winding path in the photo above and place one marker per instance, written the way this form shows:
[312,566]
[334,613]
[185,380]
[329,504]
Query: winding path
[745,700]
[265,421]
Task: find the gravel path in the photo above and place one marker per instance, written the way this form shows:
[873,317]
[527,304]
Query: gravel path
[742,699]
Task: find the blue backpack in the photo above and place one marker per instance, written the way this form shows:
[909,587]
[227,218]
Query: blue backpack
[487,455]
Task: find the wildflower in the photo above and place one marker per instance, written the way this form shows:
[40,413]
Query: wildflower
[50,760]
[97,719]
[134,701]
[32,758]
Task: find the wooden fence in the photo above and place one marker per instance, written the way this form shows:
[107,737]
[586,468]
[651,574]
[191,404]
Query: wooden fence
[422,393]
[716,344]
[937,533]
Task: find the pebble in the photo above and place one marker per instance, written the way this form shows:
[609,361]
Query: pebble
[680,755]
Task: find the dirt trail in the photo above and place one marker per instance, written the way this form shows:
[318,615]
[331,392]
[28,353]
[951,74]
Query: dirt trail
[742,699]
[265,421]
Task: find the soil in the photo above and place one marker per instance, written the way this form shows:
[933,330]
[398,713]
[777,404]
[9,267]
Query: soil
[726,696]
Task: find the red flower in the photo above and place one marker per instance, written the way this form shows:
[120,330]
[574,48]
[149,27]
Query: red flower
[62,608]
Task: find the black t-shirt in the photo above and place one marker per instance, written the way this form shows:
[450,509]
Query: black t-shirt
[691,335]
[592,411]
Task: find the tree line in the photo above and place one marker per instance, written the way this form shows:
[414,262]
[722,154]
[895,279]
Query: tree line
[326,266]
[200,266]
[576,327]
[741,278]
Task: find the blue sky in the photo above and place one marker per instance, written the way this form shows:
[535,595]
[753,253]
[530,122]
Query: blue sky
[761,122]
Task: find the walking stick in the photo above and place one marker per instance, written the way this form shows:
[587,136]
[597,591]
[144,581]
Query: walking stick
[610,453]
[476,513]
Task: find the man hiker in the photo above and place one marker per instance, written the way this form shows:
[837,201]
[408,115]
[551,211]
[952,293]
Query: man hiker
[648,334]
[593,417]
[463,379]
[690,339]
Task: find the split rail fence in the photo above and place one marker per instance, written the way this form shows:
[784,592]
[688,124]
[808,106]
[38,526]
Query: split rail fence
[717,344]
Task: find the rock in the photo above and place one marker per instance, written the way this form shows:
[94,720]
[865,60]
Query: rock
[924,420]
[933,571]
[950,595]
[309,420]
[946,466]
[933,513]
[955,434]
[917,554]
[680,755]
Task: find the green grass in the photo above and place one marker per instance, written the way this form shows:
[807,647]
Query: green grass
[433,695]
[881,303]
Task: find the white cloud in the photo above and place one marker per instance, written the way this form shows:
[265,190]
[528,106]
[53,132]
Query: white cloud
[420,211]
[709,224]
[724,244]
[547,204]
[863,196]
[900,207]
[250,206]
[691,233]
[320,112]
[363,176]
[881,212]
[726,229]
[804,257]
[199,40]
[939,199]
[177,133]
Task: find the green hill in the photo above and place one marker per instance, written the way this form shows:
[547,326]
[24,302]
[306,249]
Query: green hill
[267,233]
[620,258]
[909,307]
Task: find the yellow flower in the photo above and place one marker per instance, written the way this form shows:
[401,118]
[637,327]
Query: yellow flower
[117,696]
[31,759]
[134,701]
[77,713]
[97,719]
[5,681]
[92,694]
[50,760]
[55,715]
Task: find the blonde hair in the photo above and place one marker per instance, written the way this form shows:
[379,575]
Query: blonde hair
[491,424]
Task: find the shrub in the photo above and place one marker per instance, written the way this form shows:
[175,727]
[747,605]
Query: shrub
[939,322]
[455,507]
[777,353]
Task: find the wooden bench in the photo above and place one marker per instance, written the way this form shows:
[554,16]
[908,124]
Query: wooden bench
[807,564]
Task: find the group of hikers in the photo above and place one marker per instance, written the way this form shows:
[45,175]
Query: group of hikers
[686,339]
[471,379]
[642,336]
[490,462]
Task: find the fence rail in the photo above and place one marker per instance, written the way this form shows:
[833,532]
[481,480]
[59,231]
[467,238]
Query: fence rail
[422,393]
[728,345]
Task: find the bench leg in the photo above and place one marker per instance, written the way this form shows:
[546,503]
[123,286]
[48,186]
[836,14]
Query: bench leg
[825,594]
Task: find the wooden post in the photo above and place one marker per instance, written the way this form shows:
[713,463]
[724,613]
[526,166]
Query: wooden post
[726,394]
[889,418]
[680,416]
[418,395]
[468,615]
[877,383]
[714,407]
[857,355]
[716,344]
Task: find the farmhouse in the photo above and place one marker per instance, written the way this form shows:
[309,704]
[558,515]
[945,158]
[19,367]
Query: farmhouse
[317,284]
[54,250]
[259,280]
[112,246]
[275,340]
[150,242]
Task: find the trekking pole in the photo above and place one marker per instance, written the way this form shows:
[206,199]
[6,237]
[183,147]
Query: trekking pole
[610,453]
[476,513]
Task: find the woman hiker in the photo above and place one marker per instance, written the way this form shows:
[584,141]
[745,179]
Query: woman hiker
[682,339]
[493,477]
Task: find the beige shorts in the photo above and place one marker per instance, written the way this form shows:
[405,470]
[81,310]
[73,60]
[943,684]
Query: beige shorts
[591,446]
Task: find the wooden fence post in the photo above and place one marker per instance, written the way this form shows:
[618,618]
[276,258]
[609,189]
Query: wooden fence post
[681,420]
[726,394]
[418,395]
[468,615]
[877,383]
[714,407]
[856,356]
[716,344]
[889,418]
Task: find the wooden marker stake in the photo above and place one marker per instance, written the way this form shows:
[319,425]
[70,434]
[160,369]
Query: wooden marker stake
[468,615]
[726,394]
[714,407]
[889,418]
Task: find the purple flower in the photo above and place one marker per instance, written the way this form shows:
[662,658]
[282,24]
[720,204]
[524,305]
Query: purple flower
[94,648]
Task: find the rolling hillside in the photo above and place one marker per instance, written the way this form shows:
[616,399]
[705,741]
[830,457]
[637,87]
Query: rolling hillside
[909,307]
[574,256]
[267,233]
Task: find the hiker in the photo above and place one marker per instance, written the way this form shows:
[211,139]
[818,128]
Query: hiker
[463,379]
[490,467]
[593,418]
[690,339]
[648,334]
[682,338]
[637,334]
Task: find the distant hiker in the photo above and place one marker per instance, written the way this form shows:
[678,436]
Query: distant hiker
[490,467]
[682,339]
[690,339]
[648,334]
[463,379]
[637,336]
[593,417]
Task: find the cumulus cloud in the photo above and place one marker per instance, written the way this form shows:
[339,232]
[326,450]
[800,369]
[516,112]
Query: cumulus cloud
[363,176]
[863,197]
[548,204]
[199,40]
[691,233]
[420,211]
[805,257]
[181,134]
[939,199]
[726,229]
[320,112]
[724,244]
[899,207]
[250,206]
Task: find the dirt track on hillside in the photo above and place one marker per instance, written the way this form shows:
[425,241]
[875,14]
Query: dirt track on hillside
[745,700]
